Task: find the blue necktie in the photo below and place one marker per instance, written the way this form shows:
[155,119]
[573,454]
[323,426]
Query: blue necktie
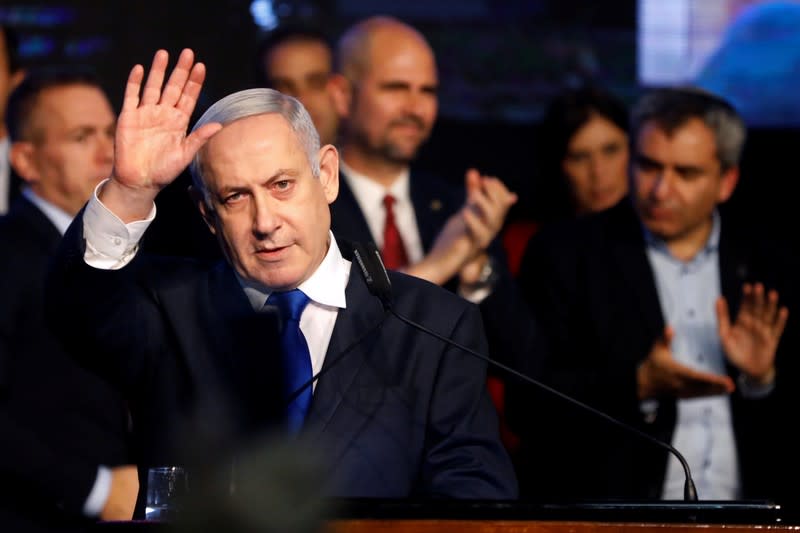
[296,357]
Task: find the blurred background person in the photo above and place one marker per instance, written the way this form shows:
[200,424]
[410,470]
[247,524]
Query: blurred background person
[584,144]
[664,312]
[298,61]
[386,92]
[11,73]
[59,421]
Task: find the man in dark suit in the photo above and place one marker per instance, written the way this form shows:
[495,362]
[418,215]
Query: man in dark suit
[386,93]
[385,90]
[59,422]
[397,413]
[636,303]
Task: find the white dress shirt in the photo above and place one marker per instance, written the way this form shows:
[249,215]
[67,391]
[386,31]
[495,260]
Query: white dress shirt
[687,292]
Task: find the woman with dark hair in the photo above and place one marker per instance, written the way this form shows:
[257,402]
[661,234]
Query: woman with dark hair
[584,144]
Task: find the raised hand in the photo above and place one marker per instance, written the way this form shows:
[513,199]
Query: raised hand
[751,342]
[660,375]
[151,145]
[452,248]
[488,202]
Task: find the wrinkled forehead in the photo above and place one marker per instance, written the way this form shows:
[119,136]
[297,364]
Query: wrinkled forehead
[264,140]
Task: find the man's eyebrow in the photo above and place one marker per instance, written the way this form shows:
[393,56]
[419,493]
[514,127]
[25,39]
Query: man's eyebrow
[640,157]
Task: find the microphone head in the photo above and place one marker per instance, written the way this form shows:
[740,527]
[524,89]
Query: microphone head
[369,262]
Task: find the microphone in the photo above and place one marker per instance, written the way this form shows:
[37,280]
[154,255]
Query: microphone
[377,280]
[371,266]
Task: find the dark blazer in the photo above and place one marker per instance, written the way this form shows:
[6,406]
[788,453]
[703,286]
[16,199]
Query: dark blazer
[434,201]
[402,414]
[58,420]
[591,285]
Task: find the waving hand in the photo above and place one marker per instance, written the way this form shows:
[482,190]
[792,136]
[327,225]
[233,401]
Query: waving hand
[151,145]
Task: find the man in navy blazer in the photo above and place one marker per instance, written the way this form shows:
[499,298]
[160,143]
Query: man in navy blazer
[59,422]
[398,413]
[385,90]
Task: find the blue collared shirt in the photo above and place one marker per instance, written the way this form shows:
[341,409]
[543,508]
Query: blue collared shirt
[687,292]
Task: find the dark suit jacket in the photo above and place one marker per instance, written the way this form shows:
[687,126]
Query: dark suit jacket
[592,287]
[402,414]
[58,420]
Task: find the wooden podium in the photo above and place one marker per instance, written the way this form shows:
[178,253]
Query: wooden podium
[364,516]
[446,516]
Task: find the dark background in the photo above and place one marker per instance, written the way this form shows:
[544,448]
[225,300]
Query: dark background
[500,62]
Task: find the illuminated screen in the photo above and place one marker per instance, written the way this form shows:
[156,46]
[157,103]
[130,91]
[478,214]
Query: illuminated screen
[747,51]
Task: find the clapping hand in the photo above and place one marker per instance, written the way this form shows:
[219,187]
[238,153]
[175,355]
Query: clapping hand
[661,375]
[750,343]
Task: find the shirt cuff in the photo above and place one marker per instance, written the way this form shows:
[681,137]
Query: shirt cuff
[475,296]
[752,390]
[99,494]
[110,243]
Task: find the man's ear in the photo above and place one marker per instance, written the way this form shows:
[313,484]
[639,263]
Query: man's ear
[728,184]
[340,89]
[21,157]
[329,172]
[208,214]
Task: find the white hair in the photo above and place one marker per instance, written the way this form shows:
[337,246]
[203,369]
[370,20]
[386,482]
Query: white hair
[252,102]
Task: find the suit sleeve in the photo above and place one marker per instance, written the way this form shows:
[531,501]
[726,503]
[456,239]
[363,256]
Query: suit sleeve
[105,318]
[464,455]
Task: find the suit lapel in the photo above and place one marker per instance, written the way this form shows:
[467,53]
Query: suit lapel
[431,207]
[634,269]
[347,219]
[353,341]
[734,269]
[46,233]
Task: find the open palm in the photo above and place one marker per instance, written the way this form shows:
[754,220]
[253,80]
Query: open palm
[750,343]
[151,145]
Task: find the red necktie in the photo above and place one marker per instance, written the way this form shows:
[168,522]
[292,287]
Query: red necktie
[394,252]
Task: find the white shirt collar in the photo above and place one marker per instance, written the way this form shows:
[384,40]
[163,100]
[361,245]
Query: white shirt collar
[369,192]
[325,287]
[60,218]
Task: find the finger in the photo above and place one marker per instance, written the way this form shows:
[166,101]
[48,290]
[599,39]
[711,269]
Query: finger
[198,138]
[177,79]
[697,383]
[191,91]
[723,318]
[771,308]
[472,180]
[130,100]
[696,389]
[780,323]
[667,336]
[480,204]
[480,233]
[152,87]
[747,300]
[759,302]
[497,191]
